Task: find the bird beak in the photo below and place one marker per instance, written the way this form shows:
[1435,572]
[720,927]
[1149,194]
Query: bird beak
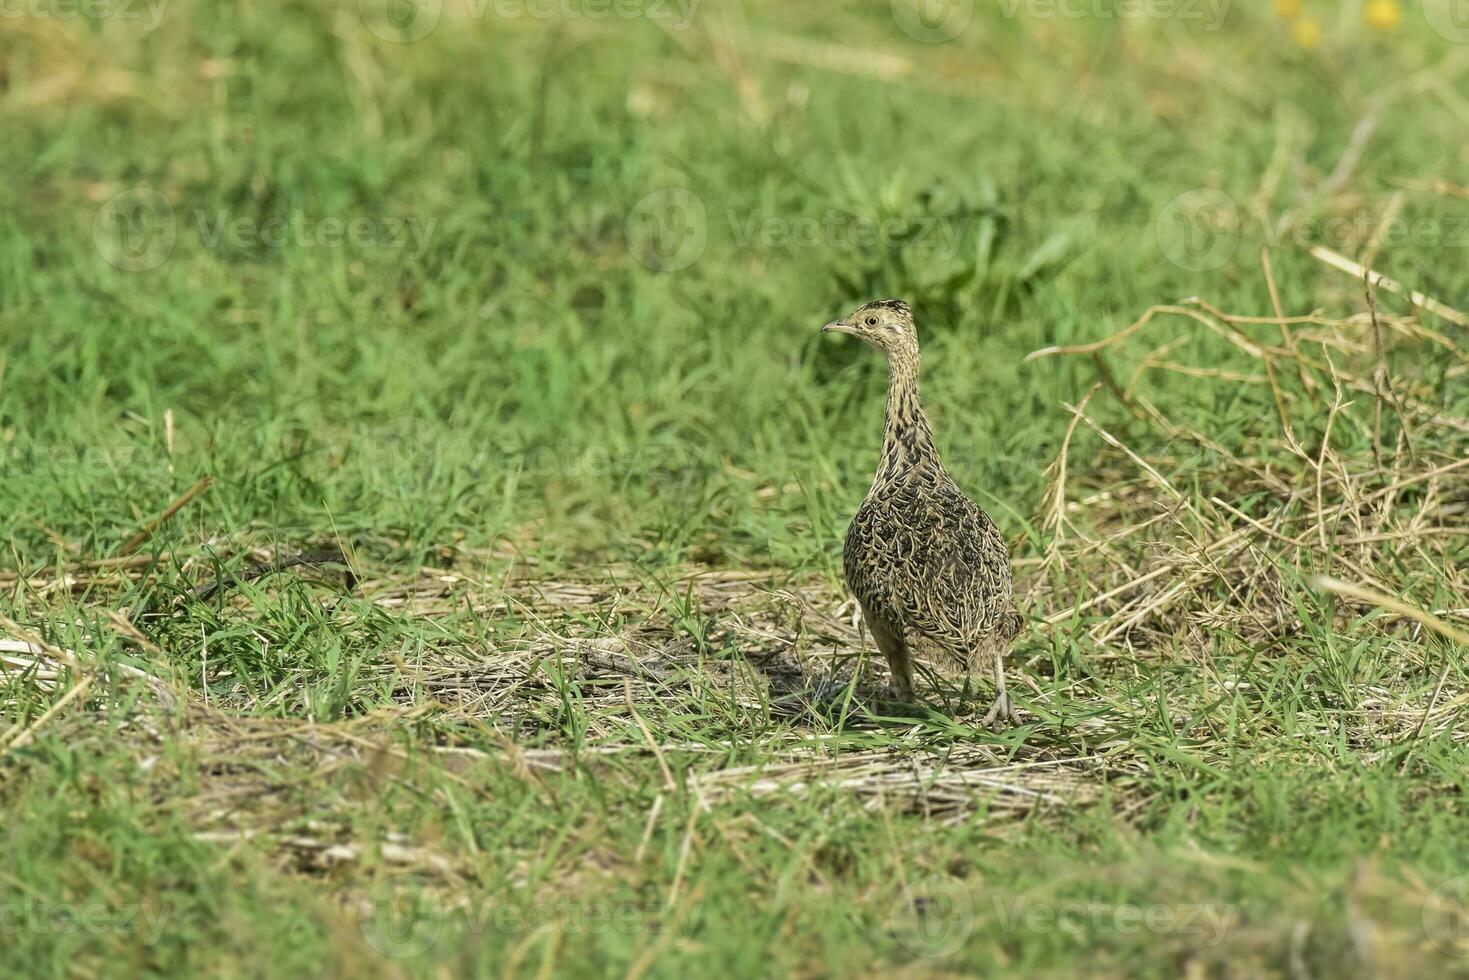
[838,326]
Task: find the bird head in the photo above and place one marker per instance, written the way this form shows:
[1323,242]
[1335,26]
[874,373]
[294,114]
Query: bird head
[886,324]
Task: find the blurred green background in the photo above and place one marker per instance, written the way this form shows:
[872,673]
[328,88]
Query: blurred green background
[411,289]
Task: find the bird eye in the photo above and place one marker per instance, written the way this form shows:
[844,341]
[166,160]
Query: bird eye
[872,321]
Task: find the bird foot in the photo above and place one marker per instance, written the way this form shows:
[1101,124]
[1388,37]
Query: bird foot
[898,693]
[1002,710]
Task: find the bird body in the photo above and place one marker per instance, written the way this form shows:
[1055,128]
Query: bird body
[922,559]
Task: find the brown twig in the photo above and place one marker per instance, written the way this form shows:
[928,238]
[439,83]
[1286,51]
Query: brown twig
[147,530]
[326,556]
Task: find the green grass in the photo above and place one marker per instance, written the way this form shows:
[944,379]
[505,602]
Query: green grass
[533,730]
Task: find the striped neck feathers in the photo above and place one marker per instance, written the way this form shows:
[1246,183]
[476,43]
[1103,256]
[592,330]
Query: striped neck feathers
[907,439]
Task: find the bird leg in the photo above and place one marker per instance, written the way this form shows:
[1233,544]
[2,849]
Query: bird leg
[895,648]
[1002,708]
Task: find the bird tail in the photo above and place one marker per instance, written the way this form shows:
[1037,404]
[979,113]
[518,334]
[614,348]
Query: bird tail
[1014,623]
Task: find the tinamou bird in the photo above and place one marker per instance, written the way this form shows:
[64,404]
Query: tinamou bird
[922,559]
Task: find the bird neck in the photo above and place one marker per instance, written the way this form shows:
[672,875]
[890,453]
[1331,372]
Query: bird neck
[907,439]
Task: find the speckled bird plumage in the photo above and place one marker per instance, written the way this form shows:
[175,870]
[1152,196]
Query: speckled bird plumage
[922,559]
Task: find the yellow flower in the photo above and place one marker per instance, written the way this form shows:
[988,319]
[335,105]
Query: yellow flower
[1306,32]
[1288,9]
[1384,14]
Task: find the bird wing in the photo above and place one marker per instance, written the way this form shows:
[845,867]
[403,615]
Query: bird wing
[964,589]
[934,562]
